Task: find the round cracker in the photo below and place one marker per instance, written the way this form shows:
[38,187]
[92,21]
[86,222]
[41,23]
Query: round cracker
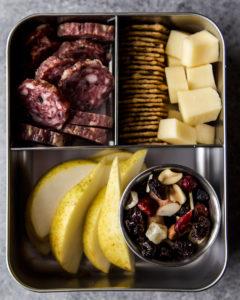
[136,76]
[153,27]
[133,52]
[142,81]
[148,33]
[138,134]
[142,105]
[145,58]
[142,38]
[130,43]
[139,128]
[134,48]
[148,86]
[142,62]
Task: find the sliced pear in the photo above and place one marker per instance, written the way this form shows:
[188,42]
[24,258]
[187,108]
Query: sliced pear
[46,195]
[110,235]
[102,153]
[91,245]
[90,242]
[122,155]
[66,228]
[132,167]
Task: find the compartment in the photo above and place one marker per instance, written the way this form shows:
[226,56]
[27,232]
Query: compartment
[26,167]
[185,22]
[17,71]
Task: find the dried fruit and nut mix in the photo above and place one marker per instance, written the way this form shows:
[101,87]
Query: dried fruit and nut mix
[167,215]
[68,86]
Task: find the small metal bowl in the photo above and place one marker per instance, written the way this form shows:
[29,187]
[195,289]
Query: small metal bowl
[214,209]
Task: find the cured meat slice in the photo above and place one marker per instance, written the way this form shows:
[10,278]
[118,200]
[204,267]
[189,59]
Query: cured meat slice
[87,84]
[91,119]
[52,68]
[97,135]
[44,103]
[41,43]
[82,49]
[42,136]
[96,31]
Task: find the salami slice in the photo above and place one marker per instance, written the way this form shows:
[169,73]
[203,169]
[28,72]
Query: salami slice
[91,119]
[52,68]
[44,103]
[82,49]
[42,136]
[41,43]
[95,31]
[87,84]
[97,135]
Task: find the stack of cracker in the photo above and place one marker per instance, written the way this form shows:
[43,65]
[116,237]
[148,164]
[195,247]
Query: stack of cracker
[143,88]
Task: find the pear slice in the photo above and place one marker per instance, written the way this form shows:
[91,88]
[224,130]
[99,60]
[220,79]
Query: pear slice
[46,195]
[132,167]
[66,229]
[91,245]
[122,155]
[110,235]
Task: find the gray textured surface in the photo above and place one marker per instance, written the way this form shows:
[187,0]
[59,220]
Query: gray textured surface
[226,15]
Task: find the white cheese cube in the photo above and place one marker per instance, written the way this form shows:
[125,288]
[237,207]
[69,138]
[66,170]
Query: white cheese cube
[205,134]
[200,77]
[199,49]
[173,61]
[175,132]
[156,232]
[199,106]
[174,114]
[176,81]
[175,42]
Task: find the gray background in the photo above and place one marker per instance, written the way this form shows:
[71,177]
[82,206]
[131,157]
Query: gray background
[226,14]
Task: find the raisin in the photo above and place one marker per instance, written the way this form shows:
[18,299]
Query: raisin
[164,252]
[200,195]
[183,248]
[148,249]
[135,222]
[157,190]
[200,230]
[200,210]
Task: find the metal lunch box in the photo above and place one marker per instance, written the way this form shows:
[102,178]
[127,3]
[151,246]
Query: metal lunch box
[26,165]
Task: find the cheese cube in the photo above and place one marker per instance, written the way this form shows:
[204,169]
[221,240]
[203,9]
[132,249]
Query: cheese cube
[174,114]
[205,134]
[176,132]
[176,81]
[199,106]
[173,61]
[175,42]
[200,77]
[199,49]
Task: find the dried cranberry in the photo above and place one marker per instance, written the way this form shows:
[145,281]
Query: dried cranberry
[200,210]
[183,224]
[164,252]
[135,222]
[201,196]
[188,183]
[200,230]
[184,209]
[183,248]
[147,205]
[148,249]
[157,190]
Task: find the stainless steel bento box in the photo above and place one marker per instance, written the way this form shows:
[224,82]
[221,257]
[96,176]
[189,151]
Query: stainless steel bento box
[26,165]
